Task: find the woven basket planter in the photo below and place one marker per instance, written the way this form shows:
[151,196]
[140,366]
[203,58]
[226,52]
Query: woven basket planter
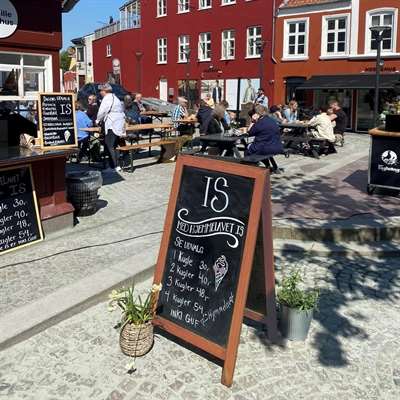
[136,340]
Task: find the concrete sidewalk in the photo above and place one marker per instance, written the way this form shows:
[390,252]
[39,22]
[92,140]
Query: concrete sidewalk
[41,284]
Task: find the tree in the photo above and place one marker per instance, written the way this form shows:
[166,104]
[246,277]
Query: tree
[65,61]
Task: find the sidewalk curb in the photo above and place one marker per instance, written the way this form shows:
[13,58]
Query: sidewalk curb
[29,320]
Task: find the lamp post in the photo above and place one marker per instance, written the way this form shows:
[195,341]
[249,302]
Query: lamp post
[377,34]
[260,44]
[187,55]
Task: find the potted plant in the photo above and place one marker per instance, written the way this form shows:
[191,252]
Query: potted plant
[297,306]
[136,336]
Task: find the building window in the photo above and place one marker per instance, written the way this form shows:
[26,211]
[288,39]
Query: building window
[24,74]
[183,6]
[130,16]
[80,54]
[227,2]
[334,37]
[203,4]
[108,50]
[295,37]
[382,18]
[183,48]
[161,8]
[205,46]
[228,45]
[253,41]
[162,50]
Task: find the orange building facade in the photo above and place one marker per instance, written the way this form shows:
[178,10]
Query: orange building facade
[324,51]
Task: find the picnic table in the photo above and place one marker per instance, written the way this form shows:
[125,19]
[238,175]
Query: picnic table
[153,114]
[226,144]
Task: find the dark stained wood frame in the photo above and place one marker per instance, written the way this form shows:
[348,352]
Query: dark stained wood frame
[260,205]
[62,147]
[35,202]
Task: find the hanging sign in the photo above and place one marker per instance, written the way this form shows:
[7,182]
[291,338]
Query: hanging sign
[8,19]
[206,255]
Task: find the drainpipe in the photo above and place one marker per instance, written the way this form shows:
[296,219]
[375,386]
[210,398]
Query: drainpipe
[274,14]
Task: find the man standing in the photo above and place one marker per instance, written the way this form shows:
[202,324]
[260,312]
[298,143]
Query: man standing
[261,98]
[217,93]
[340,118]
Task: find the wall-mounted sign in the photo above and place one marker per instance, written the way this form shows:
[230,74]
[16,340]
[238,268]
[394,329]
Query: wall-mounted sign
[8,19]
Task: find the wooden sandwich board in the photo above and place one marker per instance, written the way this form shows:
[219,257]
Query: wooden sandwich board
[206,256]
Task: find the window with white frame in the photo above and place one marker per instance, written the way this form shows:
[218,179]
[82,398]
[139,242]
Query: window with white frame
[161,8]
[254,39]
[205,46]
[162,50]
[24,74]
[183,48]
[295,38]
[108,50]
[203,4]
[130,15]
[183,6]
[335,35]
[382,18]
[228,45]
[227,2]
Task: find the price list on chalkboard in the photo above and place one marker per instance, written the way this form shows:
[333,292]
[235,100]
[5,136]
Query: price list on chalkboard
[205,252]
[57,120]
[19,216]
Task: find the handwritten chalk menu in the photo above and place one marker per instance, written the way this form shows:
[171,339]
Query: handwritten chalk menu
[19,215]
[206,253]
[57,121]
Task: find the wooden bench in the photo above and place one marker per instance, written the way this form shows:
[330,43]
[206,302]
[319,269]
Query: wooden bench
[267,159]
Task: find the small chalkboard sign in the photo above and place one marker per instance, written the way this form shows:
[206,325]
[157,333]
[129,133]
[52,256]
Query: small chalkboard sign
[20,223]
[206,254]
[57,123]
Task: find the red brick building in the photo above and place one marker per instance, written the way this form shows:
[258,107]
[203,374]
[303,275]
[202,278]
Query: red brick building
[324,51]
[164,46]
[30,40]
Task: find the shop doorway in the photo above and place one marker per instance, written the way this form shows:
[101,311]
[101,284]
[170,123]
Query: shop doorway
[163,89]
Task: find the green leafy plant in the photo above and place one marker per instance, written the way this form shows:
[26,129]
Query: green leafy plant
[290,295]
[135,310]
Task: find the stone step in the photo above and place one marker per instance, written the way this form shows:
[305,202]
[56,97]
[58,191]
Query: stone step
[356,229]
[367,249]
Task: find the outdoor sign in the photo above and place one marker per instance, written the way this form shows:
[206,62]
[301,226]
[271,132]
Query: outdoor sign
[57,124]
[8,19]
[385,161]
[206,255]
[20,223]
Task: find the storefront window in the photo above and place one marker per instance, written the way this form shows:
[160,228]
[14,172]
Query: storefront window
[24,74]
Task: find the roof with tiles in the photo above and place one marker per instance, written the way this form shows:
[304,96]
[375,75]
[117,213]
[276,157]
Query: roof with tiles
[300,3]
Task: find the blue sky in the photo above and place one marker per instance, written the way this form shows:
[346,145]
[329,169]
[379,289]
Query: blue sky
[87,16]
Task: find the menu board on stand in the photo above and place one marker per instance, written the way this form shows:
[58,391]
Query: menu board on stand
[20,223]
[206,255]
[57,121]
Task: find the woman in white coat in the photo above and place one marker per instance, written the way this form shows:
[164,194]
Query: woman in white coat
[111,113]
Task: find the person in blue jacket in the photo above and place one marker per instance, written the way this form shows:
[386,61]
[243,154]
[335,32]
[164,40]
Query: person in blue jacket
[267,138]
[82,121]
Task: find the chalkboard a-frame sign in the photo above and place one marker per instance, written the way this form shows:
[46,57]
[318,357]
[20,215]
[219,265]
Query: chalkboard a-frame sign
[57,121]
[206,256]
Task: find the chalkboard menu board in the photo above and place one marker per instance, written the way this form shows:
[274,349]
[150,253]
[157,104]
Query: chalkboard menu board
[19,215]
[207,251]
[57,121]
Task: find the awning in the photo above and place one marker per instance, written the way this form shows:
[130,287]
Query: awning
[361,81]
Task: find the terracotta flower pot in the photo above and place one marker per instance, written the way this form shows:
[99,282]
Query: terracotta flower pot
[136,340]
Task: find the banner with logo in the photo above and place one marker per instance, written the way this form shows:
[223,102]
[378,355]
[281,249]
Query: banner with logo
[385,161]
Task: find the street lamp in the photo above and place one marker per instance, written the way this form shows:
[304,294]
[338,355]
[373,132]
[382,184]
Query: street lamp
[186,52]
[377,34]
[260,44]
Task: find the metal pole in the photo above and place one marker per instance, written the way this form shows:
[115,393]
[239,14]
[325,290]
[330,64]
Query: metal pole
[377,79]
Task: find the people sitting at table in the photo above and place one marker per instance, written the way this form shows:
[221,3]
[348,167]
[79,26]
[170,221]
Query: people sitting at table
[291,114]
[217,123]
[131,114]
[82,121]
[340,121]
[275,113]
[139,108]
[111,114]
[261,98]
[265,130]
[209,100]
[321,125]
[227,115]
[92,108]
[181,112]
[204,115]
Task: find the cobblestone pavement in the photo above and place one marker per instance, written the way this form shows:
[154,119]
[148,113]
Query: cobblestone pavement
[353,350]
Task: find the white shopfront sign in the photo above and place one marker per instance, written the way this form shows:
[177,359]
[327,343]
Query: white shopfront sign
[8,19]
